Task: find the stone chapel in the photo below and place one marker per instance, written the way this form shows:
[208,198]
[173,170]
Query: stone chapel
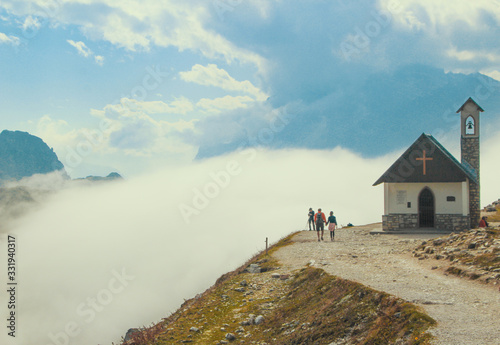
[429,189]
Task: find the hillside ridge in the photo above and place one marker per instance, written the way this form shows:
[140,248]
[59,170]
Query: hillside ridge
[300,272]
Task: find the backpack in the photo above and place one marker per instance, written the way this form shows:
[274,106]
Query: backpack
[319,218]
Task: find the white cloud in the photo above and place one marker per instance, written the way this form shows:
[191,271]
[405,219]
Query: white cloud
[138,25]
[469,55]
[429,14]
[220,104]
[121,139]
[133,111]
[490,165]
[9,39]
[453,36]
[181,105]
[86,52]
[211,75]
[495,74]
[464,55]
[81,48]
[118,29]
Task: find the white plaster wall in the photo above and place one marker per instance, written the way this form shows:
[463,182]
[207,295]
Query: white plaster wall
[440,190]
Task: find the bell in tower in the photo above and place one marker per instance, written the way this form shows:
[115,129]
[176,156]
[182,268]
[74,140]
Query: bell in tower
[469,144]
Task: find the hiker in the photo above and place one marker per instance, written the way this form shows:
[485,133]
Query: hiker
[332,224]
[320,219]
[483,223]
[311,218]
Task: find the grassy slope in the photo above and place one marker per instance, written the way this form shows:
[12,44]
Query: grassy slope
[495,217]
[311,307]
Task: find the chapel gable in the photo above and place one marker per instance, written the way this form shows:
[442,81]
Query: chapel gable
[426,160]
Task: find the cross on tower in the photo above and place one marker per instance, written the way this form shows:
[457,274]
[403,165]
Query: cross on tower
[424,159]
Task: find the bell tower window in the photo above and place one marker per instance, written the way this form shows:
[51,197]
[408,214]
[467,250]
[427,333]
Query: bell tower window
[470,126]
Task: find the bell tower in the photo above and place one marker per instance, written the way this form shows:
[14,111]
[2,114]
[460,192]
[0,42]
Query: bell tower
[469,144]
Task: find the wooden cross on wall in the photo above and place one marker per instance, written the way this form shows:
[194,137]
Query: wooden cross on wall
[424,159]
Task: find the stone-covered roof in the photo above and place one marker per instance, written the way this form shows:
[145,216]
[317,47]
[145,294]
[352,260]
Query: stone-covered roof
[440,165]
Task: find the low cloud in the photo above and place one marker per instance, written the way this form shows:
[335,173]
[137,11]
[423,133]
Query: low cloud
[73,248]
[490,166]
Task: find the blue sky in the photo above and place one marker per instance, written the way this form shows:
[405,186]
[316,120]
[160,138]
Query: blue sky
[132,86]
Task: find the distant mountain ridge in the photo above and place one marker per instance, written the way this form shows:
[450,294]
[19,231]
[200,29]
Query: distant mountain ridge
[24,155]
[384,112]
[111,177]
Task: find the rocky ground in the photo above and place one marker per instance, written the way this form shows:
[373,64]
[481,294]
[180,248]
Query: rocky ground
[467,311]
[474,254]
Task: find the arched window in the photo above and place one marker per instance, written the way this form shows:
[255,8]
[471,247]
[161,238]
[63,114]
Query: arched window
[470,126]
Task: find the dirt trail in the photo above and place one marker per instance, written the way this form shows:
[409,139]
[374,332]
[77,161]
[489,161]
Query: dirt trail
[467,312]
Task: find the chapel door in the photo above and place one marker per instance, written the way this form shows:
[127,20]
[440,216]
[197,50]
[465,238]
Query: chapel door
[426,209]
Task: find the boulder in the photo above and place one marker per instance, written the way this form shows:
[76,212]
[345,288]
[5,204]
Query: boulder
[254,268]
[129,333]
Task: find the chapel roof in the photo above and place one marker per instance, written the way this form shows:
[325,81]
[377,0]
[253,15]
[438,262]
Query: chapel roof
[426,160]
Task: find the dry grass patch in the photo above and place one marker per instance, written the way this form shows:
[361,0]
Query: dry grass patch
[494,217]
[321,309]
[312,307]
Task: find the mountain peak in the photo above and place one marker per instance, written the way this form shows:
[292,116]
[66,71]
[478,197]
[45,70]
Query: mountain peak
[24,155]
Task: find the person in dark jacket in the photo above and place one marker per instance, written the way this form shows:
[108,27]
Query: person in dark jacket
[332,224]
[320,220]
[311,219]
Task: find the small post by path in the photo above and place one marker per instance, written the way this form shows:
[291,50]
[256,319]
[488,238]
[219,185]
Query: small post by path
[266,245]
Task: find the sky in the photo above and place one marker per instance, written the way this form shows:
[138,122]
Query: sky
[133,86]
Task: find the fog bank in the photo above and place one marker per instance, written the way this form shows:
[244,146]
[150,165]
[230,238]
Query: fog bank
[95,261]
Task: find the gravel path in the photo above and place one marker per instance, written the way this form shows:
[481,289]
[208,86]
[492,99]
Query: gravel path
[467,312]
